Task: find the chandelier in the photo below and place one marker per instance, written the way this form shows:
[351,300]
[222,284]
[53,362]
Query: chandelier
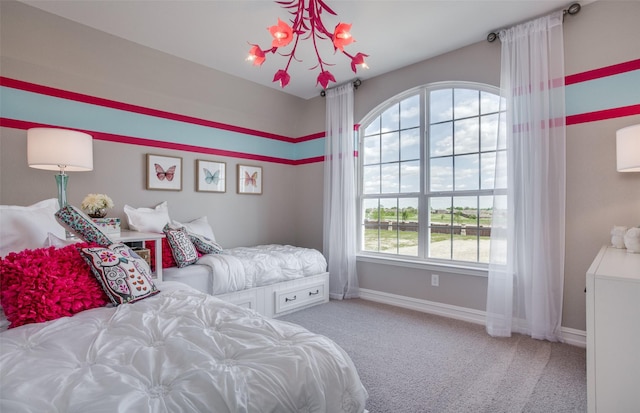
[307,24]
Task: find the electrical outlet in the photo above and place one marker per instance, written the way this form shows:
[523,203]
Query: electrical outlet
[435,280]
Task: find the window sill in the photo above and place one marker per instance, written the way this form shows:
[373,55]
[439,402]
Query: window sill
[481,270]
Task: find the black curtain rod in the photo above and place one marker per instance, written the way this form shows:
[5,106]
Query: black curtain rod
[356,83]
[573,9]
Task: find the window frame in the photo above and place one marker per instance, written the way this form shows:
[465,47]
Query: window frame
[422,260]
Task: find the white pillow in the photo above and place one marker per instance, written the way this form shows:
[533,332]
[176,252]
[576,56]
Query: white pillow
[199,226]
[148,219]
[55,241]
[28,227]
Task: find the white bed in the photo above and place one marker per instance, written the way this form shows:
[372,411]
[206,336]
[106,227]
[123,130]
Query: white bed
[271,279]
[177,351]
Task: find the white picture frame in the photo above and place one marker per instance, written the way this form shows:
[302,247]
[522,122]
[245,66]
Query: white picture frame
[211,176]
[250,179]
[164,172]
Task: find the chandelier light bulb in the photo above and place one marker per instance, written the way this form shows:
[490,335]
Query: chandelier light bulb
[256,55]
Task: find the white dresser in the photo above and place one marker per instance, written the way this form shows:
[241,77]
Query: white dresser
[613,332]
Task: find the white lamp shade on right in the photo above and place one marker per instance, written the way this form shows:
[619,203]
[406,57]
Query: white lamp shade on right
[628,149]
[59,149]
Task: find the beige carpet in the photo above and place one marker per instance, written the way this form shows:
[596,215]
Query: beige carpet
[415,362]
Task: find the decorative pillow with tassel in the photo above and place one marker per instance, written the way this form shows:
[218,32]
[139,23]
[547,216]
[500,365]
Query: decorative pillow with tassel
[124,276]
[82,226]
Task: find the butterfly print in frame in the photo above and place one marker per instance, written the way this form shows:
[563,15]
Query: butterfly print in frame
[211,176]
[164,172]
[250,179]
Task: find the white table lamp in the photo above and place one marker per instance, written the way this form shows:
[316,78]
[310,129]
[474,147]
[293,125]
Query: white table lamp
[60,150]
[628,149]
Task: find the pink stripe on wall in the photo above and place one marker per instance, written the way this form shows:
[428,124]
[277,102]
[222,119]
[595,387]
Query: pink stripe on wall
[603,114]
[603,72]
[315,159]
[310,137]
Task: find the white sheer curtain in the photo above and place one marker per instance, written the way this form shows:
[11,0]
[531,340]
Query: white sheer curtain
[339,194]
[526,274]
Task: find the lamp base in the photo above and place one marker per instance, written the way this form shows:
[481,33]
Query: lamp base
[61,181]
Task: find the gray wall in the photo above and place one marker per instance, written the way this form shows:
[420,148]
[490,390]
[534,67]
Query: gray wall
[45,49]
[42,48]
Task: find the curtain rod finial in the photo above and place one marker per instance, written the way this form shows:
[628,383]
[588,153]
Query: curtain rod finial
[573,9]
[356,83]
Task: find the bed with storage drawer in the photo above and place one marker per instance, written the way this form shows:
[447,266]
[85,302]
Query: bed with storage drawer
[270,279]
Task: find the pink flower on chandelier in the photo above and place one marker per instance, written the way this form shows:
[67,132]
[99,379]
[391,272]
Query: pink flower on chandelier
[358,59]
[282,34]
[324,78]
[283,77]
[342,36]
[256,55]
[307,24]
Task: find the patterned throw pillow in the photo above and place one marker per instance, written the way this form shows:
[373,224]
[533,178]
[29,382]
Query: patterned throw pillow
[123,275]
[47,283]
[80,224]
[204,244]
[182,249]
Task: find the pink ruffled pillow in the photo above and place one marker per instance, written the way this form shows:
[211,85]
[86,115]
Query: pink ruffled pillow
[47,283]
[167,256]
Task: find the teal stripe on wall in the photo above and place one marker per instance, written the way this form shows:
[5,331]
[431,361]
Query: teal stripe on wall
[604,93]
[309,149]
[34,107]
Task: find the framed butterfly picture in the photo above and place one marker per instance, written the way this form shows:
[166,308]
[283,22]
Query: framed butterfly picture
[249,179]
[164,172]
[212,176]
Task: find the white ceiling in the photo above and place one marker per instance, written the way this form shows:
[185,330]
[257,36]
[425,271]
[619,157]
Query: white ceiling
[217,33]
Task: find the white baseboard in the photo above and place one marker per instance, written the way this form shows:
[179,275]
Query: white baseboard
[569,335]
[431,307]
[574,337]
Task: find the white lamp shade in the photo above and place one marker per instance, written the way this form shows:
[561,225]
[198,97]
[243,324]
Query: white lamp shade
[628,149]
[59,149]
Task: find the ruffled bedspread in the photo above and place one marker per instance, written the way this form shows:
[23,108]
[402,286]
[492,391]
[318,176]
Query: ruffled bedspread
[246,267]
[179,351]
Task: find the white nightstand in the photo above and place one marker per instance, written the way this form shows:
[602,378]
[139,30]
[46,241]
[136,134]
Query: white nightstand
[134,236]
[613,332]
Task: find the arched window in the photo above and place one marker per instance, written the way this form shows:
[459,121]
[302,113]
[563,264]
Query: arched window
[427,167]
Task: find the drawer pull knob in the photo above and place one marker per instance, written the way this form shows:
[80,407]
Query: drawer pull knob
[286,299]
[316,293]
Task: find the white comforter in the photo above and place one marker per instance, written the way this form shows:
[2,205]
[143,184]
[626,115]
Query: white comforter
[247,267]
[179,351]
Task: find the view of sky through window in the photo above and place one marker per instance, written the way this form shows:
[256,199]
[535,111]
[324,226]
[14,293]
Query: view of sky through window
[453,180]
